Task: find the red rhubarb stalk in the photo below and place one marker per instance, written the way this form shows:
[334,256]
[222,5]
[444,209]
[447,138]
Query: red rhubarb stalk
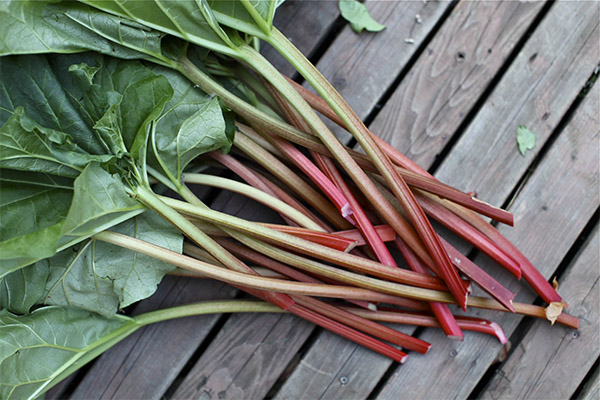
[440,310]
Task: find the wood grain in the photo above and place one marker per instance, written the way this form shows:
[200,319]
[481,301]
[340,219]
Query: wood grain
[451,74]
[361,67]
[550,212]
[533,372]
[591,390]
[536,91]
[246,358]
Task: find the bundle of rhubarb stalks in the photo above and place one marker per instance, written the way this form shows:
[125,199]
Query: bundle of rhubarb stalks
[108,106]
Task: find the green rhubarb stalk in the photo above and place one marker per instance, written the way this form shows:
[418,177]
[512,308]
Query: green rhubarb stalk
[153,202]
[255,194]
[312,249]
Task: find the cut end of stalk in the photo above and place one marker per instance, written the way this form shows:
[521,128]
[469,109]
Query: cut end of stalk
[456,337]
[372,307]
[498,331]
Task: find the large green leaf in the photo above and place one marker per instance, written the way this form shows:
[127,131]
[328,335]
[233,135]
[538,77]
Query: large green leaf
[79,104]
[39,349]
[99,201]
[32,218]
[188,20]
[94,275]
[27,146]
[22,289]
[101,277]
[34,26]
[192,124]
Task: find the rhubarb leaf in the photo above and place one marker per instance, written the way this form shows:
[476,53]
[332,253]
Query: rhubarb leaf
[28,27]
[358,16]
[100,200]
[101,277]
[41,348]
[22,289]
[192,124]
[94,275]
[183,19]
[525,139]
[32,219]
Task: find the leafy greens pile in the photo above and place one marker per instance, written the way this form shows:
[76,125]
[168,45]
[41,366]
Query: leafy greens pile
[104,105]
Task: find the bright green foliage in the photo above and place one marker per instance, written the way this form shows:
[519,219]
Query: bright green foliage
[358,16]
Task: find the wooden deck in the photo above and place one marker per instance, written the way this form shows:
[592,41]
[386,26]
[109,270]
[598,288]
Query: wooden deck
[452,100]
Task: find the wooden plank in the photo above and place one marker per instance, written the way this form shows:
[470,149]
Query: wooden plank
[534,372]
[144,364]
[550,212]
[362,66]
[334,368]
[305,24]
[245,363]
[591,390]
[449,77]
[541,84]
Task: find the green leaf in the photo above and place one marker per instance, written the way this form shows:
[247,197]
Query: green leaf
[27,146]
[525,139]
[183,19]
[28,27]
[192,124]
[358,16]
[101,277]
[39,349]
[32,219]
[100,200]
[22,289]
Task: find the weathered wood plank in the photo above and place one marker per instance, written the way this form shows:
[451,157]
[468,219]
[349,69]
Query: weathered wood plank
[591,390]
[305,23]
[534,372]
[550,212]
[361,67]
[334,368]
[536,91]
[245,363]
[449,77]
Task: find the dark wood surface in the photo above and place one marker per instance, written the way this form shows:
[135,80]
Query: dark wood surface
[451,97]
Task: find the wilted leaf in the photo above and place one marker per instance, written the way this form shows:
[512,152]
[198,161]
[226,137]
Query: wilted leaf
[554,310]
